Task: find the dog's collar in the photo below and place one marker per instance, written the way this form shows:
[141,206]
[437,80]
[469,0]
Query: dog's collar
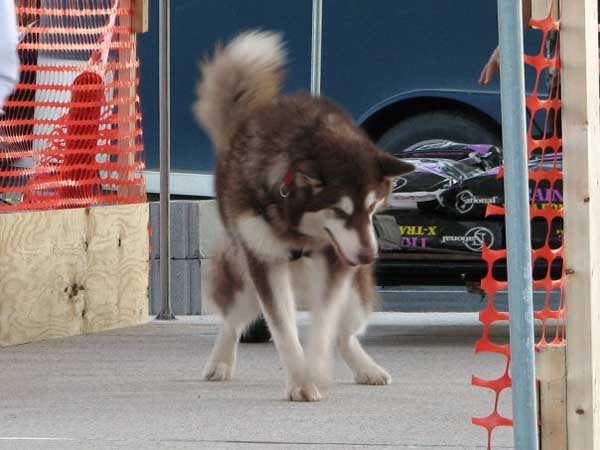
[297,253]
[286,183]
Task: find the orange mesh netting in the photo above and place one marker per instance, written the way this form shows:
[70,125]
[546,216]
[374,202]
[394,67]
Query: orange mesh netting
[72,135]
[545,181]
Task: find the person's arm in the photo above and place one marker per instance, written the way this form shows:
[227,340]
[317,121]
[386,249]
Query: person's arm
[9,59]
[492,67]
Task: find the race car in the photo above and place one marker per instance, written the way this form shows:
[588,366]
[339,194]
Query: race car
[437,224]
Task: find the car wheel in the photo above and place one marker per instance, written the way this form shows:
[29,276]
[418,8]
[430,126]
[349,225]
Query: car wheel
[257,332]
[437,125]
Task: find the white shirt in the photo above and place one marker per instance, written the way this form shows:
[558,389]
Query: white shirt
[9,59]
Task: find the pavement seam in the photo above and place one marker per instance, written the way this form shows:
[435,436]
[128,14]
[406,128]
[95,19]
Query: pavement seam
[260,442]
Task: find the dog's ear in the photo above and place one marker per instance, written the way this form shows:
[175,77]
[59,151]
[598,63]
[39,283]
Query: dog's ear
[392,167]
[306,175]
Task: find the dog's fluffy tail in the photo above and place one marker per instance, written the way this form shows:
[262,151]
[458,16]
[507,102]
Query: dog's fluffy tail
[241,77]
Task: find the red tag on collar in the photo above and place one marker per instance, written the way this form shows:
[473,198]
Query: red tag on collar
[288,178]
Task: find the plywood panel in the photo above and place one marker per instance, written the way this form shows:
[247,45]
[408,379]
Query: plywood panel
[72,271]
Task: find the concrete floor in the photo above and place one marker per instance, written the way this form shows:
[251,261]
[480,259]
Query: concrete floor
[140,389]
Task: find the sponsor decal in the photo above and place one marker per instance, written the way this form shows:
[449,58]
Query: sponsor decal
[418,230]
[546,198]
[414,242]
[546,195]
[465,201]
[474,239]
[400,183]
[548,205]
[542,198]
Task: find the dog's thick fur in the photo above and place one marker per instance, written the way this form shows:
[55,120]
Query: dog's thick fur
[294,175]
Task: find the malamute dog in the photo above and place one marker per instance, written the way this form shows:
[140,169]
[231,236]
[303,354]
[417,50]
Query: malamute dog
[297,184]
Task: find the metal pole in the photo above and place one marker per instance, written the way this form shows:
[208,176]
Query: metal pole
[317,33]
[165,162]
[518,233]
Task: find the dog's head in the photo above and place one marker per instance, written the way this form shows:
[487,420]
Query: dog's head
[340,190]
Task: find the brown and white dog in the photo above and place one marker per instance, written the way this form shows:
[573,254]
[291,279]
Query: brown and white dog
[297,184]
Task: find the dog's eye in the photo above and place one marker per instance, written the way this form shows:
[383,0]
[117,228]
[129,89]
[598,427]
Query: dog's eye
[340,213]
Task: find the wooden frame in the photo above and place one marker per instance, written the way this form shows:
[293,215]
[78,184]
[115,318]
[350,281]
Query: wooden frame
[127,75]
[581,143]
[72,271]
[541,8]
[552,382]
[139,19]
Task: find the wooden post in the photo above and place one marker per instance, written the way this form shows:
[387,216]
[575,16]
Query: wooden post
[127,125]
[551,373]
[579,55]
[541,8]
[139,16]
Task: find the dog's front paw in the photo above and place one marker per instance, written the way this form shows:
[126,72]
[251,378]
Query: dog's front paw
[320,373]
[373,375]
[303,392]
[220,371]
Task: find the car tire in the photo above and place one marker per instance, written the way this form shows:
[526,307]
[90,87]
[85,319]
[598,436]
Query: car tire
[437,125]
[257,332]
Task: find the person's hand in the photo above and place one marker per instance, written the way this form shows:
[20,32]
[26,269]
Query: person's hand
[491,68]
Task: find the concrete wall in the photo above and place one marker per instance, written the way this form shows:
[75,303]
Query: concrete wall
[195,229]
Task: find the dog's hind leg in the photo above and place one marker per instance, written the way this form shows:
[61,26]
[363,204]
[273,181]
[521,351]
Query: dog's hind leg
[273,283]
[236,298]
[353,323]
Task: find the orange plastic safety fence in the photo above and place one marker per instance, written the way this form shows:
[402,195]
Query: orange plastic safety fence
[72,134]
[545,181]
